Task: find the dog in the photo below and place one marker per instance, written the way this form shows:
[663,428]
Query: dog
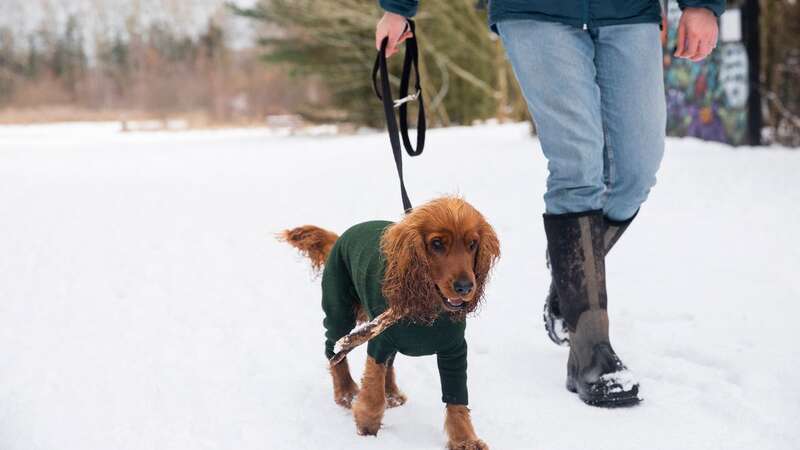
[431,268]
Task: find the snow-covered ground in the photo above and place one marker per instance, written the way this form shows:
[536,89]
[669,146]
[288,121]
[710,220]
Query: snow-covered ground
[145,304]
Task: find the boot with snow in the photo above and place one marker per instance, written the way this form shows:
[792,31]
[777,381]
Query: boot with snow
[553,321]
[577,258]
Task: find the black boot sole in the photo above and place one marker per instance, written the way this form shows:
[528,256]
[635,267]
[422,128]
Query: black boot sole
[623,400]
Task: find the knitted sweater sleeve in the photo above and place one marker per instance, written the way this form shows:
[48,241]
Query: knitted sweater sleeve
[338,300]
[453,373]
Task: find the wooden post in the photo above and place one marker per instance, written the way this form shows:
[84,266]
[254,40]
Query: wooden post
[752,41]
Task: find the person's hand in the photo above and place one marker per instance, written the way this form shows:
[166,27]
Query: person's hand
[697,34]
[396,28]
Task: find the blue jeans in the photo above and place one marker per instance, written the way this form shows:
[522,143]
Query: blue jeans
[597,98]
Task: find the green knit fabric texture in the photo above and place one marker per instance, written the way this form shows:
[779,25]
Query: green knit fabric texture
[354,274]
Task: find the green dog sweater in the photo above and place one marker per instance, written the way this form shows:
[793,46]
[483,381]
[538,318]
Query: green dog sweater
[354,274]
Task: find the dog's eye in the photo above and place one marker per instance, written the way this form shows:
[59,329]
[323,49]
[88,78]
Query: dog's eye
[437,245]
[473,244]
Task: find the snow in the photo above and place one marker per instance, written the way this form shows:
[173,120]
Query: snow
[145,303]
[623,380]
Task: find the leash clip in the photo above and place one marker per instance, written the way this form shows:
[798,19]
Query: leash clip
[408,98]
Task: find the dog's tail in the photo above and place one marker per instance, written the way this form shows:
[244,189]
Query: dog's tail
[312,241]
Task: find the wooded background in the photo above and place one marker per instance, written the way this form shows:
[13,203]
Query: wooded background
[309,57]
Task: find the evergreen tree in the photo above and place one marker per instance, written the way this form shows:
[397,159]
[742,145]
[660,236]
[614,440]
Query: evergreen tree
[69,61]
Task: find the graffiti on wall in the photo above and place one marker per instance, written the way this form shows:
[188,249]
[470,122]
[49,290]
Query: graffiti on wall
[708,99]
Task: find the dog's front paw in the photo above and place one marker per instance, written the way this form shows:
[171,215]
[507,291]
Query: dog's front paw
[368,422]
[395,399]
[368,429]
[476,444]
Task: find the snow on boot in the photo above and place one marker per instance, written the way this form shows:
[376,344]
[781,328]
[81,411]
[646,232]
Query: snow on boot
[594,371]
[576,248]
[553,322]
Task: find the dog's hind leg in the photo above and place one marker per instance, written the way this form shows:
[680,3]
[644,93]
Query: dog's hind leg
[394,397]
[340,305]
[344,388]
[371,401]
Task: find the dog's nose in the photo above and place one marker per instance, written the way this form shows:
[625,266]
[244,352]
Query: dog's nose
[463,286]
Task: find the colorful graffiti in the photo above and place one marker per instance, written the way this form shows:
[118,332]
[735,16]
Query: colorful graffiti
[707,99]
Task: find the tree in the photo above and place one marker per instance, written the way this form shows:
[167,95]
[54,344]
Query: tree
[780,68]
[69,62]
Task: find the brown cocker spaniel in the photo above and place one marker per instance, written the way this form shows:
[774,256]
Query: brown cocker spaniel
[431,269]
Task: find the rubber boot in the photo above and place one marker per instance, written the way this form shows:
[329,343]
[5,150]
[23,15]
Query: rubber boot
[576,246]
[553,321]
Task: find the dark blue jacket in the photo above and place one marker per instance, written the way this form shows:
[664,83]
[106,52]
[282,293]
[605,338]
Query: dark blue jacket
[579,13]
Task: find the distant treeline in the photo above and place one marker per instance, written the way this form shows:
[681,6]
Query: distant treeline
[144,70]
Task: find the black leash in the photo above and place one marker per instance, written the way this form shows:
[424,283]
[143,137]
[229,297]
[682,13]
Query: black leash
[385,94]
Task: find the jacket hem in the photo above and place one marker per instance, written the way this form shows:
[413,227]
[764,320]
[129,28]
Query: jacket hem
[592,23]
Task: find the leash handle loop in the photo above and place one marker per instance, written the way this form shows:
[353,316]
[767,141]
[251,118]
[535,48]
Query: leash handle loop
[384,93]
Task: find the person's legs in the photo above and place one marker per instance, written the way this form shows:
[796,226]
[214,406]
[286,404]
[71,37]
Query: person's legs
[555,66]
[628,61]
[601,170]
[630,75]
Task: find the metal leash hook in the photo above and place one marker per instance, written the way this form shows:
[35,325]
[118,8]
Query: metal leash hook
[409,98]
[413,97]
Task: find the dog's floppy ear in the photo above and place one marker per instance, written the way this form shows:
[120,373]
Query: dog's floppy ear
[402,246]
[407,283]
[487,255]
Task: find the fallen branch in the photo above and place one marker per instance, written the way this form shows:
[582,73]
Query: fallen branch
[362,334]
[463,73]
[782,109]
